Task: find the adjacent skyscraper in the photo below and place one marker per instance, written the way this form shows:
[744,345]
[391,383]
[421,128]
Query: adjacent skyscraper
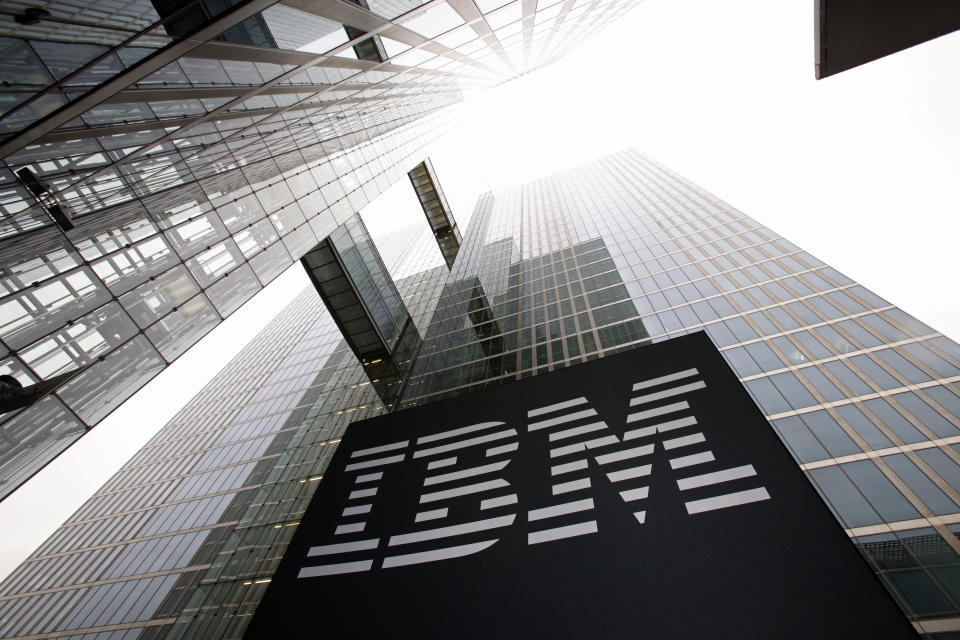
[161,162]
[607,256]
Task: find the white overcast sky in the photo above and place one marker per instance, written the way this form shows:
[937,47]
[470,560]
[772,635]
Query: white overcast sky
[861,169]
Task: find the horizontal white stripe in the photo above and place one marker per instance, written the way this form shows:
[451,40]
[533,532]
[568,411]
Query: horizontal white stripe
[684,441]
[658,411]
[353,527]
[573,485]
[343,547]
[567,467]
[552,422]
[465,473]
[363,493]
[436,554]
[577,431]
[583,446]
[386,447]
[464,490]
[533,413]
[492,503]
[617,456]
[601,442]
[504,448]
[665,379]
[369,477]
[570,448]
[560,509]
[352,511]
[688,461]
[639,433]
[334,569]
[374,463]
[640,493]
[455,530]
[442,462]
[435,514]
[663,427]
[559,533]
[716,477]
[629,474]
[457,432]
[463,444]
[667,393]
[729,500]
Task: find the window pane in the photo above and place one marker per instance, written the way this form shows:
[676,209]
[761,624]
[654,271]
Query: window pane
[152,300]
[826,429]
[790,350]
[177,331]
[101,388]
[946,399]
[741,362]
[863,336]
[764,356]
[822,384]
[942,368]
[803,444]
[925,413]
[863,426]
[889,503]
[848,378]
[793,390]
[894,420]
[873,371]
[813,345]
[767,396]
[920,484]
[840,493]
[943,464]
[920,592]
[902,366]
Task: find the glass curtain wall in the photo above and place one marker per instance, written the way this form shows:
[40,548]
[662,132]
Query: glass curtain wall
[195,169]
[622,251]
[182,541]
[607,256]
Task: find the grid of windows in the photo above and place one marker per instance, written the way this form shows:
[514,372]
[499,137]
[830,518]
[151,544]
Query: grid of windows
[603,257]
[622,251]
[229,475]
[197,169]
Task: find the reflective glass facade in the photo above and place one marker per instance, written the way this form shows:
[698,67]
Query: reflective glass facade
[622,251]
[199,151]
[603,257]
[182,541]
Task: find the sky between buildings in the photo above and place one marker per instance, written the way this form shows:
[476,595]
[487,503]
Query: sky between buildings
[861,170]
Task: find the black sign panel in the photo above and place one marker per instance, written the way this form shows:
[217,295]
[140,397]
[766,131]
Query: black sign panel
[640,495]
[849,33]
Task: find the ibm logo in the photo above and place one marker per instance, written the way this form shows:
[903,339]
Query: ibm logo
[463,472]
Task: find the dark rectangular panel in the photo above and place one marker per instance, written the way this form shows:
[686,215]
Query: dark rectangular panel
[423,177]
[347,272]
[849,33]
[642,495]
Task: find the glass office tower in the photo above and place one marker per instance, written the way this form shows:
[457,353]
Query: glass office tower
[620,252]
[182,542]
[160,162]
[603,257]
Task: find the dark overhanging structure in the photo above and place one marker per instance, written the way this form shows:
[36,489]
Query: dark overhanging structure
[348,273]
[849,33]
[423,177]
